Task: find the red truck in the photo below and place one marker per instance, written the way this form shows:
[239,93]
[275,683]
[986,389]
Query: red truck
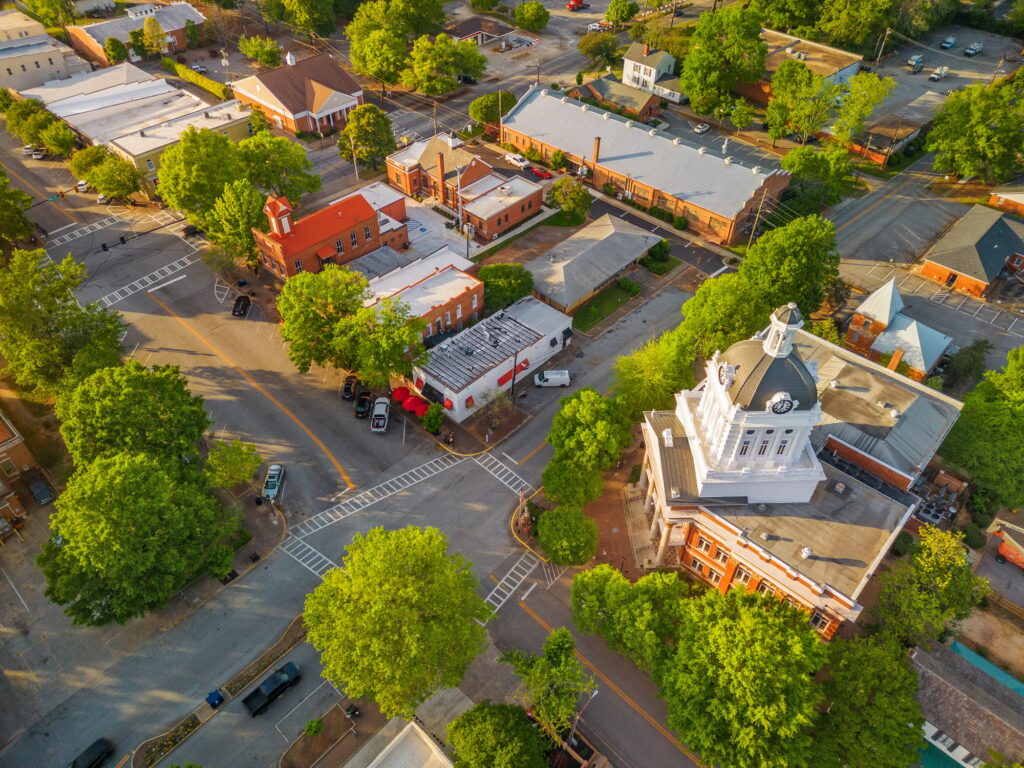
[1011,548]
[575,5]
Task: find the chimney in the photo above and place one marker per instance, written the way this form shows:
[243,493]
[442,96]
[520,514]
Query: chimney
[440,176]
[597,149]
[647,49]
[897,356]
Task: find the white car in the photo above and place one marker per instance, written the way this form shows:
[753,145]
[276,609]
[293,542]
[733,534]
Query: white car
[199,68]
[82,185]
[517,160]
[38,154]
[102,199]
[595,27]
[701,128]
[379,415]
[273,482]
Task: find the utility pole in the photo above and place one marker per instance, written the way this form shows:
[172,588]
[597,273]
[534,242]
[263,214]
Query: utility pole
[881,48]
[355,165]
[996,70]
[757,217]
[512,391]
[538,71]
[435,117]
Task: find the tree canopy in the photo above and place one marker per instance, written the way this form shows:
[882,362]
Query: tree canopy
[648,378]
[311,15]
[786,14]
[504,284]
[567,535]
[369,131]
[532,15]
[14,222]
[276,165]
[380,53]
[725,309]
[491,107]
[229,463]
[589,429]
[58,139]
[194,172]
[570,196]
[435,65]
[565,483]
[234,214]
[726,49]
[396,630]
[262,50]
[598,46]
[497,736]
[865,91]
[621,11]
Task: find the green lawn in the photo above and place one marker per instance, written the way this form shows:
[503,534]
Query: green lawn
[562,219]
[661,268]
[599,307]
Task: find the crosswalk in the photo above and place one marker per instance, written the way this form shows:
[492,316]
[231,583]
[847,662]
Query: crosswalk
[343,509]
[506,476]
[146,281]
[512,580]
[88,229]
[306,556]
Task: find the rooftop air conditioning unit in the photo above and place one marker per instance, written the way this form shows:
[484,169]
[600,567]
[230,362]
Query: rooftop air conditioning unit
[629,123]
[666,435]
[806,552]
[605,116]
[755,170]
[802,55]
[728,160]
[790,50]
[677,141]
[653,132]
[701,151]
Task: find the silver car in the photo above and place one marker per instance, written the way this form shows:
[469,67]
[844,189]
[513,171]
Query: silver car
[273,482]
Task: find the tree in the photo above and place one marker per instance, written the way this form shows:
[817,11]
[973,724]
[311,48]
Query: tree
[589,430]
[388,341]
[231,463]
[977,132]
[153,36]
[567,484]
[871,719]
[236,212]
[786,14]
[276,165]
[807,100]
[129,531]
[54,13]
[257,120]
[115,50]
[967,364]
[369,131]
[137,42]
[621,11]
[726,48]
[397,630]
[497,736]
[567,535]
[482,6]
[48,340]
[598,47]
[648,378]
[826,329]
[820,175]
[115,177]
[725,309]
[191,34]
[14,223]
[311,16]
[262,50]
[84,160]
[532,15]
[58,138]
[27,119]
[935,589]
[864,92]
[6,99]
[435,65]
[491,107]
[742,114]
[418,17]
[728,716]
[853,24]
[794,263]
[380,54]
[552,682]
[194,171]
[571,196]
[1015,17]
[311,305]
[504,284]
[132,409]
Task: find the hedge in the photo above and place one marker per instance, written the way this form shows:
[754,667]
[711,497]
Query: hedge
[219,90]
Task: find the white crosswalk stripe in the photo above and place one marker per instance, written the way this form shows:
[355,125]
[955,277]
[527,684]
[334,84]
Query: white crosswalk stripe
[343,509]
[88,229]
[509,478]
[306,556]
[511,581]
[151,279]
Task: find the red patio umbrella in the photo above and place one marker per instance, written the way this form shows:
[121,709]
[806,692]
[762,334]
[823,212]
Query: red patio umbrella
[409,403]
[421,408]
[399,394]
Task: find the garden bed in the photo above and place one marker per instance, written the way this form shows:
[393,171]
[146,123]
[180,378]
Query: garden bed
[154,750]
[306,750]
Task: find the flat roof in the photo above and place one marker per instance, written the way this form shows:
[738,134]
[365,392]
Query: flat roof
[382,261]
[481,186]
[414,271]
[657,159]
[152,137]
[115,120]
[509,192]
[171,17]
[821,59]
[87,83]
[378,195]
[435,290]
[411,748]
[24,46]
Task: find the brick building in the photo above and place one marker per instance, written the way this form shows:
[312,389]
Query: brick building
[1009,197]
[495,204]
[718,196]
[312,95]
[975,250]
[881,332]
[344,230]
[744,489]
[89,40]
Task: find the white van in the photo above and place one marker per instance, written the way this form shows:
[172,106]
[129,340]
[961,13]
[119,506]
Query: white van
[551,379]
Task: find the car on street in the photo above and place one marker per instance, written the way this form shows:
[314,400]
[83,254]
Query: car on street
[241,306]
[517,160]
[350,387]
[191,230]
[973,49]
[948,43]
[200,68]
[94,755]
[265,693]
[362,404]
[701,128]
[914,60]
[939,74]
[272,482]
[599,26]
[467,80]
[541,173]
[38,154]
[39,487]
[28,149]
[82,185]
[102,200]
[379,419]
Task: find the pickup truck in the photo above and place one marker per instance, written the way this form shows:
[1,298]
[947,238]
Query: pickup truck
[256,703]
[575,5]
[940,73]
[379,417]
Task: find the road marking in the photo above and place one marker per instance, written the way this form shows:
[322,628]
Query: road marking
[88,229]
[16,590]
[164,285]
[527,593]
[509,479]
[309,558]
[58,229]
[877,203]
[511,581]
[719,271]
[147,280]
[259,388]
[277,725]
[618,691]
[532,453]
[35,189]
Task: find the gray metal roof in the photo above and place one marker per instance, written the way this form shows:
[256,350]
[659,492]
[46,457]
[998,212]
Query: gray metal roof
[382,261]
[883,304]
[979,243]
[760,376]
[171,17]
[644,154]
[653,59]
[581,263]
[922,346]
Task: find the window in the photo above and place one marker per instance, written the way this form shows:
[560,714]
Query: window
[298,265]
[789,432]
[695,564]
[703,544]
[429,330]
[339,246]
[529,204]
[458,312]
[763,449]
[714,576]
[765,588]
[447,318]
[867,322]
[522,208]
[354,238]
[475,300]
[745,448]
[23,68]
[819,621]
[150,166]
[1017,261]
[8,467]
[783,444]
[974,762]
[366,232]
[721,555]
[49,60]
[36,63]
[945,740]
[742,576]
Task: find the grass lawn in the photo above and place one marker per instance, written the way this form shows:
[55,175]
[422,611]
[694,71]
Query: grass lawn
[599,307]
[562,219]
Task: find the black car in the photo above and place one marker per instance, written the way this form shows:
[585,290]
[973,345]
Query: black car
[350,387]
[467,80]
[361,407]
[241,308]
[39,487]
[94,755]
[191,230]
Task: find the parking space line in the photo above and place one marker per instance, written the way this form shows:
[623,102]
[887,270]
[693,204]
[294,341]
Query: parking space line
[16,591]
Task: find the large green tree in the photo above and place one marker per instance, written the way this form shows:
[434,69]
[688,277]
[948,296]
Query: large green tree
[132,409]
[234,214]
[648,378]
[194,171]
[14,222]
[553,682]
[311,16]
[497,736]
[725,309]
[129,532]
[570,196]
[388,340]
[865,91]
[85,160]
[115,177]
[49,341]
[821,176]
[27,119]
[726,49]
[153,36]
[230,463]
[58,139]
[262,50]
[853,24]
[621,11]
[491,107]
[740,687]
[599,47]
[368,131]
[870,718]
[504,284]
[435,65]
[589,429]
[565,483]
[567,535]
[379,53]
[395,629]
[532,15]
[786,14]
[276,165]
[54,13]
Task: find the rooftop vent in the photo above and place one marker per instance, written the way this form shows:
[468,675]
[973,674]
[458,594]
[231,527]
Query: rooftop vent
[673,492]
[802,55]
[666,435]
[790,50]
[289,59]
[728,160]
[701,151]
[564,99]
[629,123]
[206,115]
[806,552]
[583,107]
[755,170]
[895,413]
[677,141]
[543,91]
[605,116]
[765,536]
[834,384]
[142,133]
[652,132]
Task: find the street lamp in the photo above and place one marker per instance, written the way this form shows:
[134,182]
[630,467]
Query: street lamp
[576,720]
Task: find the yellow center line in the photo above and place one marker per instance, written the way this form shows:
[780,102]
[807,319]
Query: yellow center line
[532,453]
[259,388]
[35,189]
[621,694]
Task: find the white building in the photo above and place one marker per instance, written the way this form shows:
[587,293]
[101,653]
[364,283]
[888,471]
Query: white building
[465,370]
[651,71]
[15,25]
[30,61]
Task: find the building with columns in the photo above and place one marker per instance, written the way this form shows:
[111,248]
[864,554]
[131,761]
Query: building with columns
[743,483]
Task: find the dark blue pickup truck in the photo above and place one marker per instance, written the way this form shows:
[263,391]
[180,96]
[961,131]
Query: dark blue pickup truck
[279,682]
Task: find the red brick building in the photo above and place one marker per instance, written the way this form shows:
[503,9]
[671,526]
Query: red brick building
[311,95]
[89,40]
[975,250]
[344,230]
[1009,197]
[495,204]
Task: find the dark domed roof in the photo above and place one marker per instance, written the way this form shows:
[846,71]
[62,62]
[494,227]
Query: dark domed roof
[759,377]
[789,314]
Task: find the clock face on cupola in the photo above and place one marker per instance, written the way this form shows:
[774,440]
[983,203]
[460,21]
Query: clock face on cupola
[782,403]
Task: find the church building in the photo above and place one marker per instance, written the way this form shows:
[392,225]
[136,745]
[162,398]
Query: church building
[790,469]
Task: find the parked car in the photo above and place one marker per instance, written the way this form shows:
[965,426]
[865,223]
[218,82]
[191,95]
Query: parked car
[551,379]
[82,185]
[948,43]
[256,703]
[467,80]
[241,307]
[379,419]
[939,74]
[191,230]
[973,49]
[517,160]
[541,173]
[39,487]
[272,482]
[28,149]
[914,60]
[595,27]
[102,200]
[361,406]
[94,755]
[701,128]
[350,387]
[200,68]
[38,154]
[575,5]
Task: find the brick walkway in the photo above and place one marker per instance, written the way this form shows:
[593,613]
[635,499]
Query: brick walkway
[614,546]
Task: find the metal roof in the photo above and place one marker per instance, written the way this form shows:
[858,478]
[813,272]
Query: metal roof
[979,243]
[760,376]
[922,346]
[171,17]
[87,83]
[701,177]
[382,261]
[883,304]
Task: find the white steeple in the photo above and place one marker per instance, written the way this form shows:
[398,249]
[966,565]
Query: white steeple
[778,337]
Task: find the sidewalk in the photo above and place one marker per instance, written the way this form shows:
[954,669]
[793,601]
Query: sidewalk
[614,545]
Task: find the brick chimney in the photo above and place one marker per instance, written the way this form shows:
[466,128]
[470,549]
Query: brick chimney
[897,356]
[597,149]
[440,176]
[647,49]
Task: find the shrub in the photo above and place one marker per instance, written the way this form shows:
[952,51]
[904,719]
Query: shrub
[556,87]
[219,90]
[609,189]
[629,286]
[558,160]
[660,251]
[904,541]
[661,213]
[433,418]
[656,267]
[5,99]
[974,537]
[579,78]
[634,473]
[680,222]
[533,155]
[221,560]
[314,727]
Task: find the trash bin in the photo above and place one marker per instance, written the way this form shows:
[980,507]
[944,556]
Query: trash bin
[214,699]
